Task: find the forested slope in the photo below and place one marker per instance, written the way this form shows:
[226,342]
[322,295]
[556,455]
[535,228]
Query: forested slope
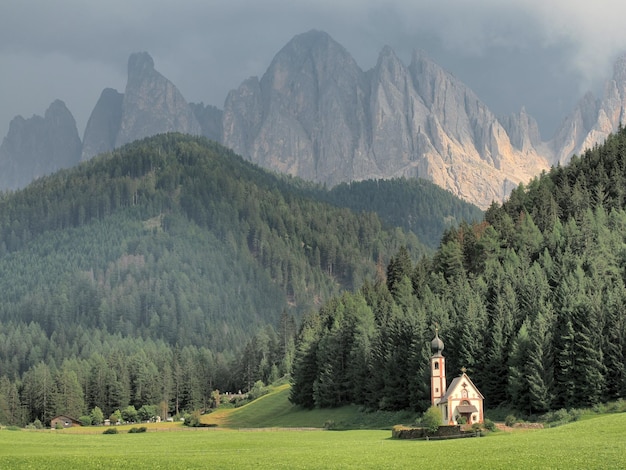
[531,301]
[164,270]
[414,204]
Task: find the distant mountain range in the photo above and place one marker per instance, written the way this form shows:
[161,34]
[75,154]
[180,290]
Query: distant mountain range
[315,114]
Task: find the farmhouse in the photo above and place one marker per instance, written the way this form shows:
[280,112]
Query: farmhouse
[64,421]
[461,402]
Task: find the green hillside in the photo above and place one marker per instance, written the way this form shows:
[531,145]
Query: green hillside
[174,246]
[417,205]
[529,300]
[275,410]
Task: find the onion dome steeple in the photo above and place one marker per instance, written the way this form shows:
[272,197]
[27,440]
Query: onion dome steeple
[436,344]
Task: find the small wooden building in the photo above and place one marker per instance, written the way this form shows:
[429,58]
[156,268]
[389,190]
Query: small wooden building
[64,421]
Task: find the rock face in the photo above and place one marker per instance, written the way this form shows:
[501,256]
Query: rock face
[103,125]
[317,115]
[152,104]
[523,131]
[306,116]
[593,120]
[210,120]
[38,146]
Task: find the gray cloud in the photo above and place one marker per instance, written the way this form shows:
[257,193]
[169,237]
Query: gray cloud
[533,53]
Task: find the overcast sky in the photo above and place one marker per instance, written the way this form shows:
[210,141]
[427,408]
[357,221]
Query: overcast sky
[541,54]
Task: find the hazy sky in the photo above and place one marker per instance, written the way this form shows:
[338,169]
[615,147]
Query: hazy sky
[542,54]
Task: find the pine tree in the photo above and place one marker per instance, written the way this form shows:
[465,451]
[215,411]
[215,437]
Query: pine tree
[305,367]
[38,391]
[518,386]
[539,365]
[68,395]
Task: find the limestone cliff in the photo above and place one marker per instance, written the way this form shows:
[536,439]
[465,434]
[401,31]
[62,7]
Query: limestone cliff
[103,125]
[317,115]
[38,146]
[593,119]
[152,104]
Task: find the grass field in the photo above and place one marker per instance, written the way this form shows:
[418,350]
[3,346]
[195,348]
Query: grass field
[270,433]
[593,443]
[275,410]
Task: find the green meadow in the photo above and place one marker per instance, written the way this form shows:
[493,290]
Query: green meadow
[270,433]
[593,443]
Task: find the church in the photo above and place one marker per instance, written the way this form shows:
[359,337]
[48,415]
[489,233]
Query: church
[459,401]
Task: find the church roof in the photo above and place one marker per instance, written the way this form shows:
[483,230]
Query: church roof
[467,409]
[436,344]
[455,383]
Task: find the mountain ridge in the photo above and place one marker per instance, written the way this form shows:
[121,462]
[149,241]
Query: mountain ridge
[316,114]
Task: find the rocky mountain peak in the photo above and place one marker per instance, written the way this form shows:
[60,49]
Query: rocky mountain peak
[592,120]
[139,62]
[619,69]
[103,125]
[152,104]
[38,146]
[317,115]
[314,52]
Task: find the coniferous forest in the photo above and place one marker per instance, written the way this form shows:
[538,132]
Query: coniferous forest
[531,300]
[171,268]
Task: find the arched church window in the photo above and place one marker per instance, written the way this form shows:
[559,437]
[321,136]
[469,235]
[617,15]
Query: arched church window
[436,365]
[464,393]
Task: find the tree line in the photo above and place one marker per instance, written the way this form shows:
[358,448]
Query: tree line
[94,369]
[172,243]
[530,300]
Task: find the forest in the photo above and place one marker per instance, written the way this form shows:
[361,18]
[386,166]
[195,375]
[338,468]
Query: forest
[172,268]
[530,300]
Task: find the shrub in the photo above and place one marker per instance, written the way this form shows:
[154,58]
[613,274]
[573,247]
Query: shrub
[85,420]
[37,424]
[12,428]
[193,420]
[129,414]
[489,425]
[575,414]
[510,420]
[329,425]
[431,419]
[136,430]
[146,412]
[559,417]
[461,420]
[258,390]
[115,417]
[97,417]
[59,425]
[110,431]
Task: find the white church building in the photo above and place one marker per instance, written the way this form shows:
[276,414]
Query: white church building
[461,399]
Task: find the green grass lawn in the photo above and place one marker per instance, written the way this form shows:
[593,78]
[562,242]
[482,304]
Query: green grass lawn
[593,443]
[275,410]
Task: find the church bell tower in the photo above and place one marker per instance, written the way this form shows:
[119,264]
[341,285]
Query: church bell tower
[437,370]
